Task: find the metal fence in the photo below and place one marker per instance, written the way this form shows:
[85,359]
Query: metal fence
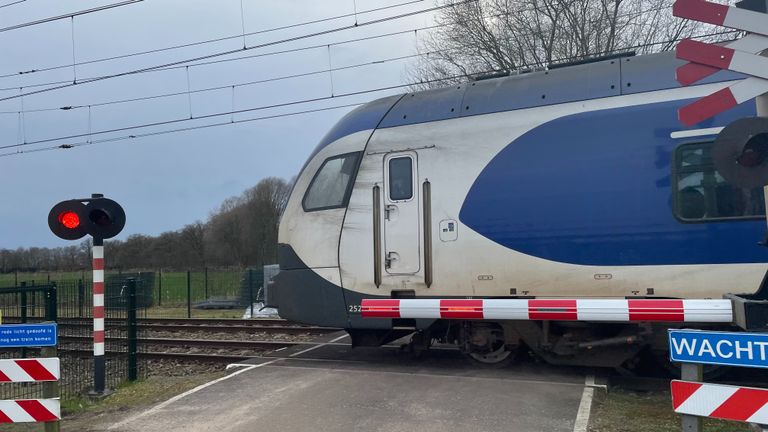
[205,293]
[70,303]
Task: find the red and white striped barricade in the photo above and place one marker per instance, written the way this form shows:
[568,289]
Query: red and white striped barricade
[29,370]
[605,310]
[42,370]
[739,56]
[30,411]
[744,404]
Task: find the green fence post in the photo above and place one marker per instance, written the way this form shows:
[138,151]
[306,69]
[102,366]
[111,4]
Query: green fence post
[80,299]
[206,283]
[132,331]
[51,303]
[189,294]
[250,289]
[51,388]
[159,287]
[23,312]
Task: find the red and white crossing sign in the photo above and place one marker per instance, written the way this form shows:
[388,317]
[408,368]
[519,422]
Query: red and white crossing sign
[738,56]
[29,370]
[726,402]
[30,410]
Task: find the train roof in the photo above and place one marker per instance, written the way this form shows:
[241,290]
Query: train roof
[594,80]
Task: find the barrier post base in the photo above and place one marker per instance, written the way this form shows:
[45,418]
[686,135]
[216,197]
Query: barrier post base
[692,372]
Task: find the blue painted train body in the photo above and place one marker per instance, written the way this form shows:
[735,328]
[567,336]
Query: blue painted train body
[565,183]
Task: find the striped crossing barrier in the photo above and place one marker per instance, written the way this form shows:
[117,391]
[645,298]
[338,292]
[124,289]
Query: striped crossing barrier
[29,370]
[738,56]
[30,410]
[725,402]
[615,310]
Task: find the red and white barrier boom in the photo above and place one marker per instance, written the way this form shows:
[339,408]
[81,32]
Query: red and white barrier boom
[612,310]
[741,56]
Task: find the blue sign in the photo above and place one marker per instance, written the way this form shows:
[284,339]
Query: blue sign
[719,348]
[27,335]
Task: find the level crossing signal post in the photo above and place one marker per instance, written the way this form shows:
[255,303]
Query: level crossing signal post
[101,218]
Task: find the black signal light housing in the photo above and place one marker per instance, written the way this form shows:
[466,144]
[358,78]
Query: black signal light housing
[100,217]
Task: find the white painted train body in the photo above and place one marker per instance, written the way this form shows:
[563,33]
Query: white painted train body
[577,182]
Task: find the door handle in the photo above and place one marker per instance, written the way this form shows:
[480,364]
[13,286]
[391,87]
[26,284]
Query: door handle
[391,256]
[388,210]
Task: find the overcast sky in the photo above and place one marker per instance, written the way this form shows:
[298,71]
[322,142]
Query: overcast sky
[167,181]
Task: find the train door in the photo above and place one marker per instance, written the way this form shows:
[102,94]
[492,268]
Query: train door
[401,214]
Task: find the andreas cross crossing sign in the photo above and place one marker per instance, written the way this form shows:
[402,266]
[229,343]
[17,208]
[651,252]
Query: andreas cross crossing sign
[719,348]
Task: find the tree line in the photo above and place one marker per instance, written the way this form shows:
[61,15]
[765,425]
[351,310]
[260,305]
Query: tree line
[241,233]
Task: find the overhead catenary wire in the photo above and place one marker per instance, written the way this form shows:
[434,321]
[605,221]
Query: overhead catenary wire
[222,87]
[206,116]
[69,15]
[189,92]
[231,113]
[242,35]
[12,3]
[252,56]
[207,41]
[228,52]
[165,132]
[279,52]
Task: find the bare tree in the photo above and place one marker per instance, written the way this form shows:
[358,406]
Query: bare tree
[484,36]
[193,240]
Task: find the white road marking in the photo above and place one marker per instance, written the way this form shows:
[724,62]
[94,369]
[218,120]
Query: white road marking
[245,368]
[585,406]
[317,346]
[162,405]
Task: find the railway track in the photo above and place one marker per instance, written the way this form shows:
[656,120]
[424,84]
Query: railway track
[198,325]
[173,342]
[185,357]
[189,341]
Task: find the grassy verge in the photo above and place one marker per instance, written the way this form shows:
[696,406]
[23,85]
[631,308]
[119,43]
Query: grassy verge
[181,312]
[625,411]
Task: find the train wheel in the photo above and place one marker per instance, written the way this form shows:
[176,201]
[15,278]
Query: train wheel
[485,345]
[501,357]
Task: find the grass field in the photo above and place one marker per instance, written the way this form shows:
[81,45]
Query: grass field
[170,291]
[626,411]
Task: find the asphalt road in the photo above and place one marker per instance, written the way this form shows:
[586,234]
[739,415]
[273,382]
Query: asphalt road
[334,388]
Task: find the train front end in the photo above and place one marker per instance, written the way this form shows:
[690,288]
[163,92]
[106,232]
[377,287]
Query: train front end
[308,287]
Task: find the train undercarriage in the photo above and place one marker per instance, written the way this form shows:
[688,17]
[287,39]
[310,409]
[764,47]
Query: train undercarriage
[498,343]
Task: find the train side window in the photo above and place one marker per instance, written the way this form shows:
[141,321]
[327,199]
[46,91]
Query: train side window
[703,195]
[401,178]
[332,184]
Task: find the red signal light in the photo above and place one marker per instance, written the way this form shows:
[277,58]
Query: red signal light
[69,219]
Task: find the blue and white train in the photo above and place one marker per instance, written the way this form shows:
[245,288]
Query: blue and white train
[576,182]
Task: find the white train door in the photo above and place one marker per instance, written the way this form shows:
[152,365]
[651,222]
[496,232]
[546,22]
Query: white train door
[401,214]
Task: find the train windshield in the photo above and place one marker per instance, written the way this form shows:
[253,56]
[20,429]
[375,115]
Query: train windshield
[332,184]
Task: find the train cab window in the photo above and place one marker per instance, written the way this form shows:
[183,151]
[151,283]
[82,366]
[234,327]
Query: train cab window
[702,194]
[332,184]
[401,178]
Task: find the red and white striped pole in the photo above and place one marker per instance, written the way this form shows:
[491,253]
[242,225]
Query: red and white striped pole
[99,362]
